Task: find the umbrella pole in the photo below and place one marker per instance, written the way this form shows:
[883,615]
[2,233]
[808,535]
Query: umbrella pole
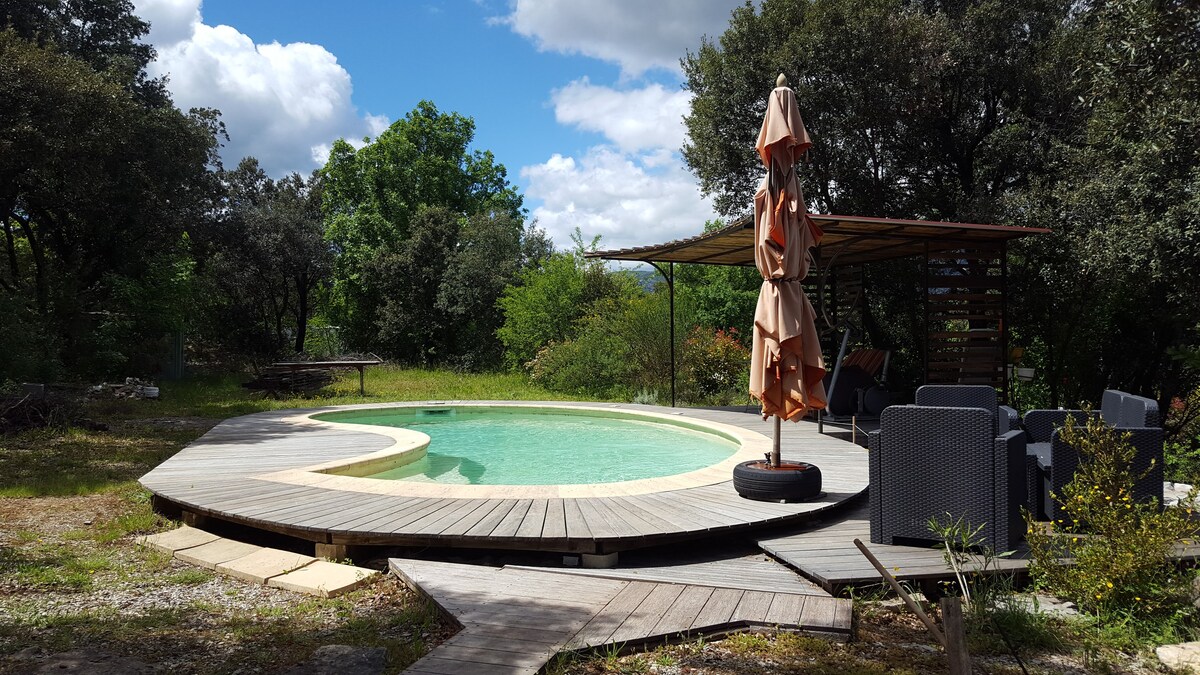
[775,459]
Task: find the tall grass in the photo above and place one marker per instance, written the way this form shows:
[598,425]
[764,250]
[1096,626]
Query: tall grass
[221,396]
[77,462]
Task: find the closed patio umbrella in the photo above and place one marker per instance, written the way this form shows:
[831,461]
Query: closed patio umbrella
[786,366]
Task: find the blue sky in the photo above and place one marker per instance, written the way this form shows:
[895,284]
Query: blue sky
[580,101]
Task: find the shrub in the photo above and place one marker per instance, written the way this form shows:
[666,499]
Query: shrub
[1110,554]
[1182,452]
[715,367]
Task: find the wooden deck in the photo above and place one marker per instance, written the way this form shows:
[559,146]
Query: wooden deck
[827,555]
[737,569]
[223,475]
[515,620]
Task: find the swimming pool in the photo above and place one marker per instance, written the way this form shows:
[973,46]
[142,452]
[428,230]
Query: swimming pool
[512,445]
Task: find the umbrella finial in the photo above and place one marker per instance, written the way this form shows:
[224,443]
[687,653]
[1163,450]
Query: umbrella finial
[781,81]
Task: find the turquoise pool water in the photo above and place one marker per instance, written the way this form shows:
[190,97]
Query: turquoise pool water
[521,447]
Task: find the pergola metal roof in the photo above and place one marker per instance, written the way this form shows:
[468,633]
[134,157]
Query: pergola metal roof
[848,240]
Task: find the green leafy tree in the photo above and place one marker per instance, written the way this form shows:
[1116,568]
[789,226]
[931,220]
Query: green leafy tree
[265,262]
[549,299]
[104,34]
[373,194]
[1111,296]
[917,108]
[97,189]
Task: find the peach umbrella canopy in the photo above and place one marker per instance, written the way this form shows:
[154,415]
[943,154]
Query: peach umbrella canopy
[785,364]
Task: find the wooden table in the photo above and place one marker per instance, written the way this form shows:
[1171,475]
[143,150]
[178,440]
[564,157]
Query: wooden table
[360,365]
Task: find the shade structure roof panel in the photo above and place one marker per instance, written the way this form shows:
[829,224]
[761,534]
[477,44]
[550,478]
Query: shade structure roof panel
[848,240]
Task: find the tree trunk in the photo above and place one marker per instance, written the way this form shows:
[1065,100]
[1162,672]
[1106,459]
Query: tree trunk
[302,291]
[39,265]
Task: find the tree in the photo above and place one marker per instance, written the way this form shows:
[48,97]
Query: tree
[373,194]
[1111,296]
[917,109]
[549,299]
[931,110]
[104,34]
[85,173]
[265,260]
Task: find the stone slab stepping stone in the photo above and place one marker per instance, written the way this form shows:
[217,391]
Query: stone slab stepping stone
[323,578]
[264,564]
[177,539]
[1184,657]
[216,552]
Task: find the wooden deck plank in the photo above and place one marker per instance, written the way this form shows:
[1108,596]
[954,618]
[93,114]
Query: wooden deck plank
[641,622]
[555,525]
[534,521]
[600,628]
[719,609]
[492,520]
[438,665]
[679,617]
[753,606]
[507,527]
[785,609]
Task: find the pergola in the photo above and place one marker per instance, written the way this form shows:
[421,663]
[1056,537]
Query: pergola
[965,265]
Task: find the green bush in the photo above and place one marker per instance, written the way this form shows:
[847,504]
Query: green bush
[1110,554]
[715,367]
[1182,452]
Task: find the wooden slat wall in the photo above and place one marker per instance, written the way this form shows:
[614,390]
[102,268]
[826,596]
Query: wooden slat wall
[964,316]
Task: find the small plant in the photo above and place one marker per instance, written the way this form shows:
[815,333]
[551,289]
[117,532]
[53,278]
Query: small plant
[1111,554]
[646,397]
[965,552]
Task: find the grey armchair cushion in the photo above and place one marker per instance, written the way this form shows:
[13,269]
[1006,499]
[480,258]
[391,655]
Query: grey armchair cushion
[929,461]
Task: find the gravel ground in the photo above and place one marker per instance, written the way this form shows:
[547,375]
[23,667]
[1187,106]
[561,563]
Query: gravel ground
[63,588]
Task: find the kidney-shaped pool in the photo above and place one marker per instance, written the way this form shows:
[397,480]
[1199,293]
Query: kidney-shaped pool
[498,445]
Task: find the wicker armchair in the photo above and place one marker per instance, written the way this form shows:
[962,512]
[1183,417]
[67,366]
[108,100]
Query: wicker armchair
[929,461]
[1057,460]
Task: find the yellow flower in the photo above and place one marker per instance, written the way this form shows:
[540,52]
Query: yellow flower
[1110,584]
[1137,598]
[1097,596]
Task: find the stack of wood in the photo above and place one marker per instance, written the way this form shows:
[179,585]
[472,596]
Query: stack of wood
[278,382]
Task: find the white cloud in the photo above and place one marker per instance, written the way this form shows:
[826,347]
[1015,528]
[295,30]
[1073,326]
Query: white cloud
[283,104]
[171,21]
[628,199]
[638,119]
[638,35]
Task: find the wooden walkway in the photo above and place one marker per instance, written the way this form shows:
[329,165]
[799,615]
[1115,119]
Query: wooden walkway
[754,571]
[224,475]
[515,620]
[827,555]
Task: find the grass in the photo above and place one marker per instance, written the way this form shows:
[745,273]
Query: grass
[74,505]
[221,396]
[51,462]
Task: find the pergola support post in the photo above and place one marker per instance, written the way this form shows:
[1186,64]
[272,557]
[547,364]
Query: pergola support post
[669,275]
